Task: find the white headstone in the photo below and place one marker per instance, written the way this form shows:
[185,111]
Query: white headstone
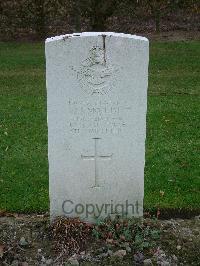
[97,100]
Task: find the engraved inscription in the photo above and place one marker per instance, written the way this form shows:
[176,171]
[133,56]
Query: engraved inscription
[96,74]
[95,158]
[98,117]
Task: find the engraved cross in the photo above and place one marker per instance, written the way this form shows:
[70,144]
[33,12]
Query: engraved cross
[96,157]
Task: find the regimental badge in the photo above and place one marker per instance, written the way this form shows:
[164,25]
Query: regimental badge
[96,75]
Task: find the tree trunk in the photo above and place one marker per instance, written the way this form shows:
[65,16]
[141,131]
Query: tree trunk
[76,14]
[97,16]
[98,23]
[157,20]
[40,19]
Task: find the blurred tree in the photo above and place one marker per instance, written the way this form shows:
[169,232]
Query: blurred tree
[190,5]
[97,11]
[40,14]
[157,8]
[25,17]
[76,15]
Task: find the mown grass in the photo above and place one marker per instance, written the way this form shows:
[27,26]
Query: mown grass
[172,178]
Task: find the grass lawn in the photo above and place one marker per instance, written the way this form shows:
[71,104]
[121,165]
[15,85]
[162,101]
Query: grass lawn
[172,147]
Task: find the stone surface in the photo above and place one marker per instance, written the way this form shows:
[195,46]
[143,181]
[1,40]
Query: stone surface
[97,95]
[72,261]
[23,242]
[120,253]
[139,257]
[24,263]
[49,262]
[147,262]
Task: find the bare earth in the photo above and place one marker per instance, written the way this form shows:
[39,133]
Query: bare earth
[26,240]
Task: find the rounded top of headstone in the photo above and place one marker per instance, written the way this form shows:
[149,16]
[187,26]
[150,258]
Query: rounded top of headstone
[93,34]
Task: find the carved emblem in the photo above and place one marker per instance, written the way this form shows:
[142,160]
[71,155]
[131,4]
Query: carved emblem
[95,74]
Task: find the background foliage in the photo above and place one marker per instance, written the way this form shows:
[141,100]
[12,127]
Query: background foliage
[37,19]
